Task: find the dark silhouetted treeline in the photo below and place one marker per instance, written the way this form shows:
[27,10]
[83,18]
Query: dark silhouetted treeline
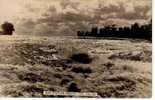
[135,32]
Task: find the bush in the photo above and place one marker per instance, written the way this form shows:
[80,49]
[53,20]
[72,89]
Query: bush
[81,58]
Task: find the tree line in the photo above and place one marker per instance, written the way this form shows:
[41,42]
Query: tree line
[135,31]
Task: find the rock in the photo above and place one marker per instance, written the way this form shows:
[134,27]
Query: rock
[73,87]
[65,81]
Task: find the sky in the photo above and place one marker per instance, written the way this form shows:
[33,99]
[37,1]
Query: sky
[65,17]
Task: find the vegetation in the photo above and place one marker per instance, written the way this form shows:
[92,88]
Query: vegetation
[81,58]
[135,32]
[7,28]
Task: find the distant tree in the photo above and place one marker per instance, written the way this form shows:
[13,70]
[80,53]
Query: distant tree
[79,33]
[7,28]
[94,31]
[135,26]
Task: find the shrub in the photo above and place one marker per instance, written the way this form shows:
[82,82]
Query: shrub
[81,58]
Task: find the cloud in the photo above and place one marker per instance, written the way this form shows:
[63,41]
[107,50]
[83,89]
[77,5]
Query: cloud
[65,17]
[113,11]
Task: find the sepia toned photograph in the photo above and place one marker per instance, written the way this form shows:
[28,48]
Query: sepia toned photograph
[76,48]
